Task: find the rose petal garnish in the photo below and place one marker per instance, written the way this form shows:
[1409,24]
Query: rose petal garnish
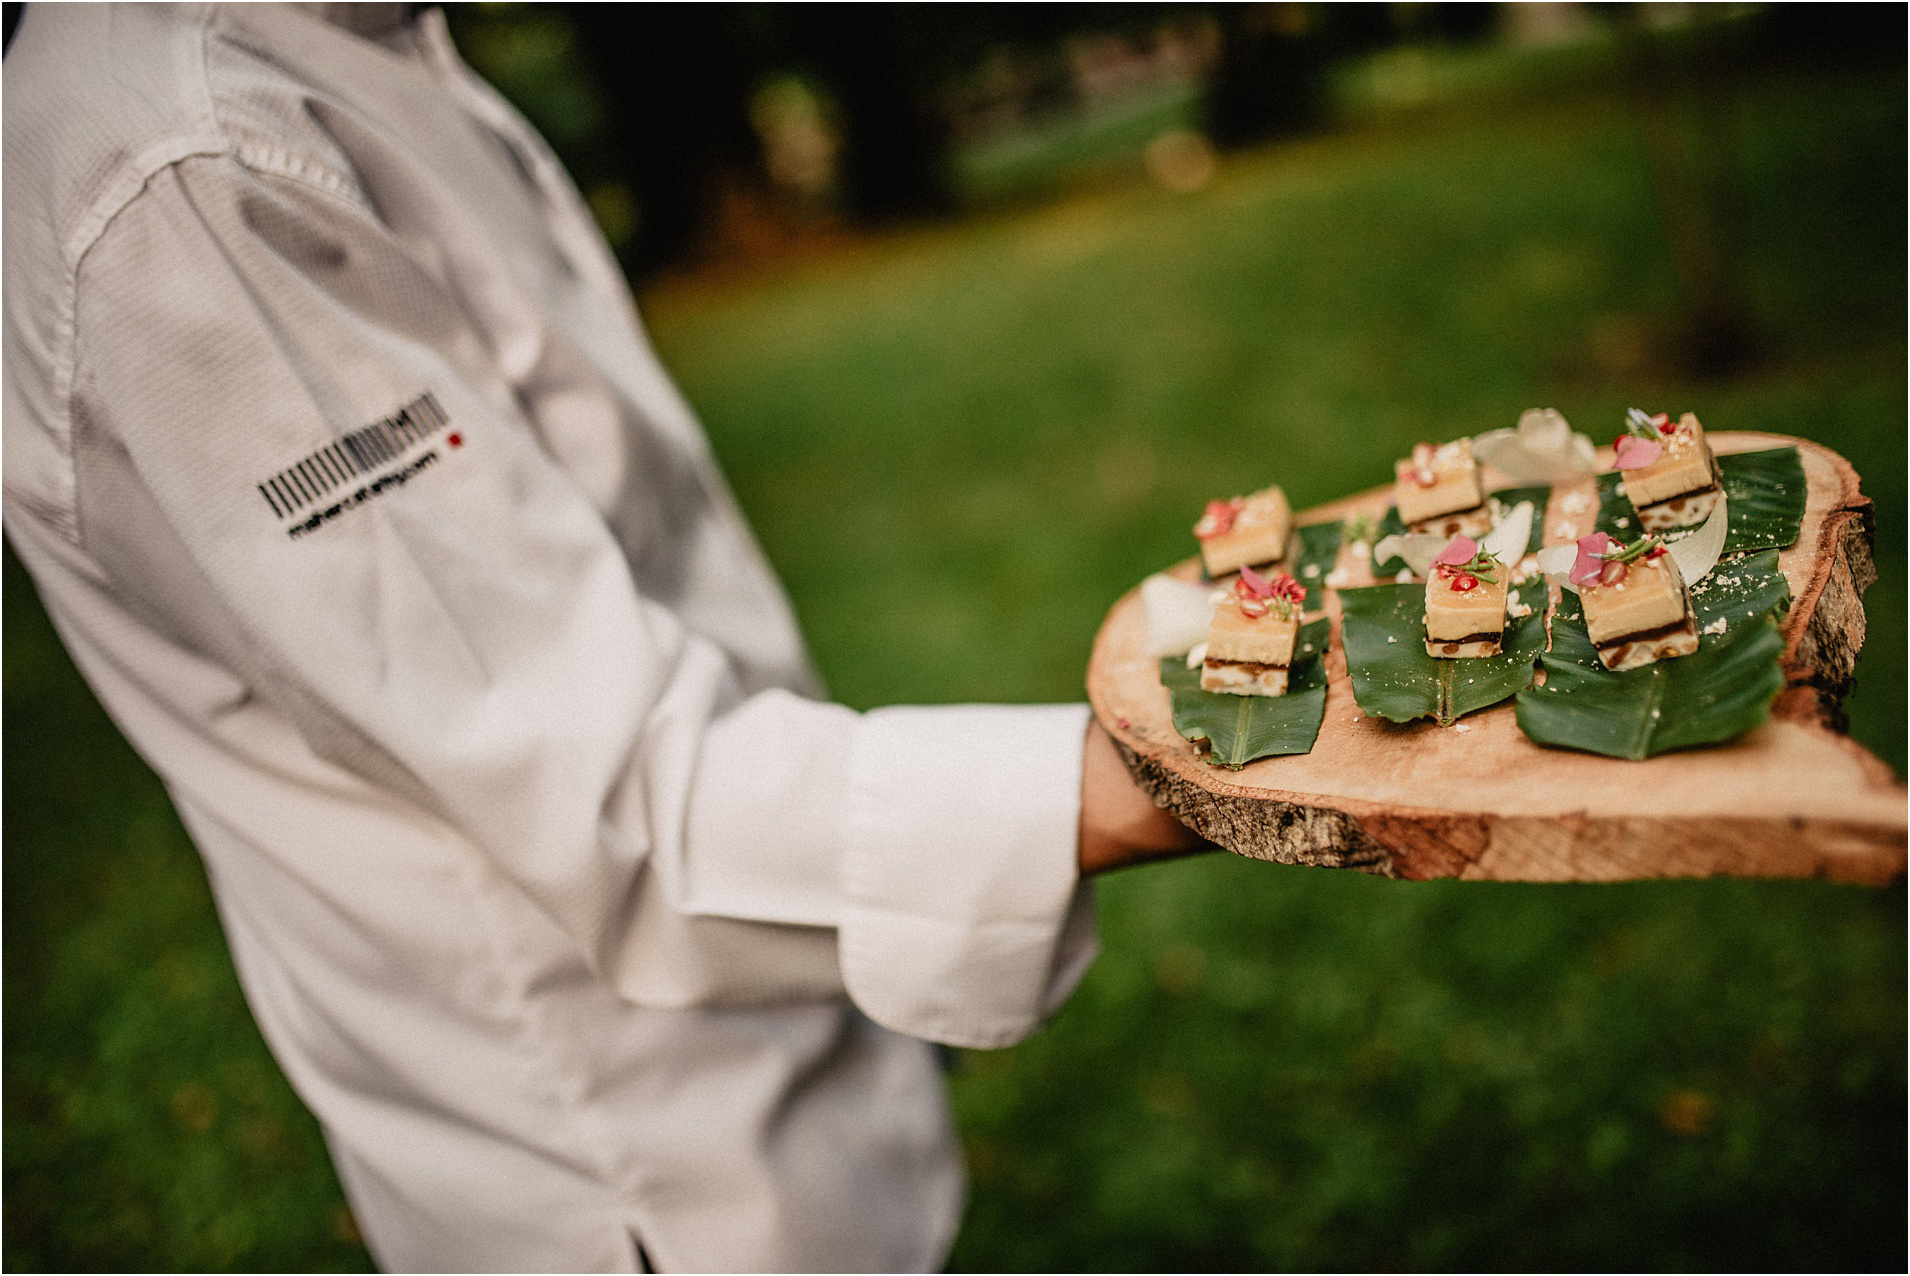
[1219,518]
[1591,560]
[1253,585]
[1462,550]
[1636,453]
[1285,587]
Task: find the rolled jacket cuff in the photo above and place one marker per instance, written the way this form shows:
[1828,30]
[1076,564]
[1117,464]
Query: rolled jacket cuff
[965,921]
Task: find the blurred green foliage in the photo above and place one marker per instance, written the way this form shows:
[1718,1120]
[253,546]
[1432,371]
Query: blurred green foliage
[959,446]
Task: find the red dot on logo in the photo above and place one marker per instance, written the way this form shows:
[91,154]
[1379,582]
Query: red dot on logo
[455,440]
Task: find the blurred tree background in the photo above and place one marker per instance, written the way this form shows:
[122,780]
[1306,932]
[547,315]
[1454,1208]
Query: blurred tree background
[980,303]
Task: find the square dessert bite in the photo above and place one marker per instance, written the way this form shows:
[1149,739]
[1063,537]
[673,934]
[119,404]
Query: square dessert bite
[1680,486]
[1251,639]
[1639,611]
[1438,483]
[1465,603]
[1248,531]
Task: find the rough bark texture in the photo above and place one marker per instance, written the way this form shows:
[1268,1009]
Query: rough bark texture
[1260,828]
[1794,798]
[1820,664]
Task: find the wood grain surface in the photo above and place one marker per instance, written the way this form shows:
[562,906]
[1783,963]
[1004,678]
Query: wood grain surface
[1478,800]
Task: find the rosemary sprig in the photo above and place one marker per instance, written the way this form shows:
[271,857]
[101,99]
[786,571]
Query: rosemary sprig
[1481,564]
[1637,549]
[1639,425]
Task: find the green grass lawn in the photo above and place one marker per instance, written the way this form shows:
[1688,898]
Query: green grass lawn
[959,446]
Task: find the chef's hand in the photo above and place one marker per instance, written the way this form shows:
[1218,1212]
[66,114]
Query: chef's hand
[1120,825]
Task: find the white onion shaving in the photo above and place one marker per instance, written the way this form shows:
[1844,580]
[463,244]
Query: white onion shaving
[1178,614]
[1417,549]
[1556,562]
[1543,449]
[1507,539]
[1698,553]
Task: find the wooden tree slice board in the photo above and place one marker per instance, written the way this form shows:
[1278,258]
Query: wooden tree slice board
[1478,800]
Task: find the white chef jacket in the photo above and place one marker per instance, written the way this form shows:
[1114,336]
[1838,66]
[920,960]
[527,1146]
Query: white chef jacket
[336,450]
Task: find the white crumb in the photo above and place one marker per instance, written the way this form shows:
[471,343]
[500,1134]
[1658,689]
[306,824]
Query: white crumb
[1461,727]
[1574,503]
[1310,571]
[1390,638]
[1715,627]
[1568,531]
[1624,522]
[1338,577]
[1405,576]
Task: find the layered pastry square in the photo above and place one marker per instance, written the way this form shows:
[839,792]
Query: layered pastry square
[1680,488]
[1248,531]
[1465,613]
[1249,655]
[1438,492]
[1639,612]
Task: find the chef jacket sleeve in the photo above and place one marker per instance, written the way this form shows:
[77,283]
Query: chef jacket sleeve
[460,614]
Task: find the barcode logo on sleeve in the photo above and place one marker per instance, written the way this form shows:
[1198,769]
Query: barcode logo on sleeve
[358,454]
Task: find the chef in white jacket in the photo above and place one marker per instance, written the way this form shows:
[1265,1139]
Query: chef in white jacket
[347,474]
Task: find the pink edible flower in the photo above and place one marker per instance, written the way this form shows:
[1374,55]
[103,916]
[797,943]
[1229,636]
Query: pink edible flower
[1591,557]
[1635,453]
[1462,551]
[1219,518]
[1253,585]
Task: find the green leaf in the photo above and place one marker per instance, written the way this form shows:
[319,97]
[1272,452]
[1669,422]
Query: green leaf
[1721,691]
[1740,589]
[1765,491]
[1240,729]
[1383,630]
[1390,525]
[1318,550]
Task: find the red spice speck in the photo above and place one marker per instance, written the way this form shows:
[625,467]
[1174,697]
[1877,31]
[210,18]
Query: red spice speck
[1464,583]
[455,440]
